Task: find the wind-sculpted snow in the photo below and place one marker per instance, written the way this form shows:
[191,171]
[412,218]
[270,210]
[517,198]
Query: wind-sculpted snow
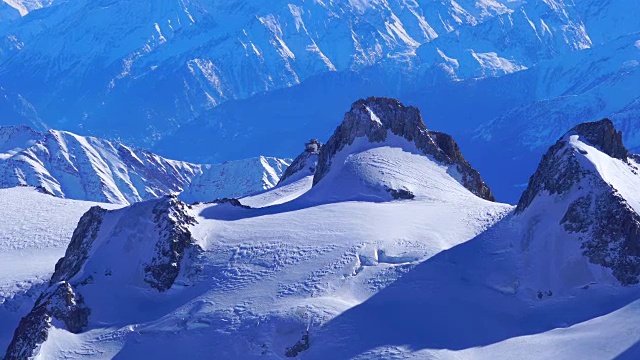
[87,168]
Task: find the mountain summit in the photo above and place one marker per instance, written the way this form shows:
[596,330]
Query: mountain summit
[588,183]
[385,122]
[88,168]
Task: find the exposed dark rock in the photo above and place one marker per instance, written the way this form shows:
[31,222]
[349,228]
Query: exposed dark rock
[300,346]
[558,171]
[603,135]
[471,178]
[374,118]
[401,194]
[614,241]
[577,219]
[43,190]
[174,239]
[31,332]
[60,302]
[608,228]
[78,250]
[313,146]
[230,201]
[307,161]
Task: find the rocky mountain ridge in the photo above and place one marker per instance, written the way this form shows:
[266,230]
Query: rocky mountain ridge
[600,208]
[87,168]
[374,118]
[576,228]
[154,265]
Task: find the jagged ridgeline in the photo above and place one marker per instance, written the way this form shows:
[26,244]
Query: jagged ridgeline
[67,165]
[386,217]
[360,150]
[588,183]
[107,253]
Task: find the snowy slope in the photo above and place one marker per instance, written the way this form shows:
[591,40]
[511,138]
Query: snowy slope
[87,168]
[340,271]
[34,232]
[245,282]
[508,43]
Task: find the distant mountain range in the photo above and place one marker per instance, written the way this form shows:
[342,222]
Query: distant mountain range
[189,79]
[87,168]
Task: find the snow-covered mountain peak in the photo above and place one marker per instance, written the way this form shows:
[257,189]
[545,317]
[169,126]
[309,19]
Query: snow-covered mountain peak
[576,155]
[376,135]
[603,135]
[88,168]
[587,182]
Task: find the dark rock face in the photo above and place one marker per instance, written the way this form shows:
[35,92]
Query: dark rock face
[401,194]
[307,161]
[615,239]
[609,231]
[604,136]
[63,301]
[558,171]
[230,201]
[78,250]
[60,302]
[608,228]
[174,240]
[471,178]
[374,118]
[301,346]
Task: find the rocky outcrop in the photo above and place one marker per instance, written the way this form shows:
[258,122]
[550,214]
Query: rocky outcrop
[78,250]
[376,118]
[603,135]
[60,302]
[557,173]
[559,169]
[607,227]
[471,178]
[174,240]
[305,164]
[610,233]
[158,247]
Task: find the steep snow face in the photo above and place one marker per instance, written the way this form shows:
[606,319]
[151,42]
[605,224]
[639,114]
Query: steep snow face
[37,227]
[587,183]
[87,168]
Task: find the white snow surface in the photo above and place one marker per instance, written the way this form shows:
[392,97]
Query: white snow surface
[442,276]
